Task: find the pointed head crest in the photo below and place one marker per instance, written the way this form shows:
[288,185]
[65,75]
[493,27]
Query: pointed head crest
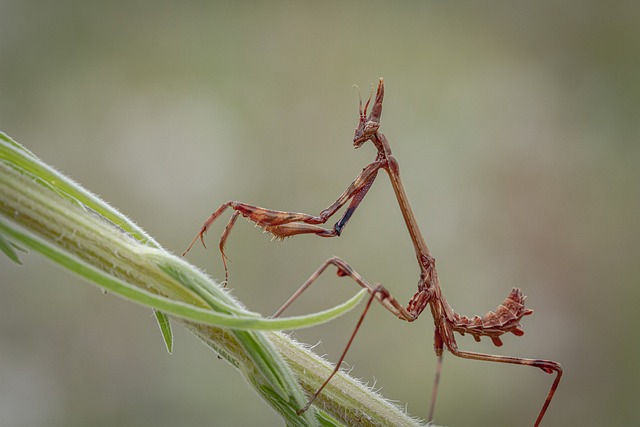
[368,125]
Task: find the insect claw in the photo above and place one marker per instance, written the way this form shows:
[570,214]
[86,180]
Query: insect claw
[304,409]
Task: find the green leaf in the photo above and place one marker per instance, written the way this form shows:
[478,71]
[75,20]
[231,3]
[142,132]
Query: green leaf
[165,329]
[242,321]
[237,320]
[9,250]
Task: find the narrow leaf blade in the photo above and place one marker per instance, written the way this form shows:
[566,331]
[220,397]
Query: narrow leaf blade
[165,329]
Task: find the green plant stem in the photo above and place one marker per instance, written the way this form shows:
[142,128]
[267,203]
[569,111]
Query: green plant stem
[39,204]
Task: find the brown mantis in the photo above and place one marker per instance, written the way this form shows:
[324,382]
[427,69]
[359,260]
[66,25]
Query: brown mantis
[280,224]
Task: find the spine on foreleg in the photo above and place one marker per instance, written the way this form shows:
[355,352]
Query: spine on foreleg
[506,318]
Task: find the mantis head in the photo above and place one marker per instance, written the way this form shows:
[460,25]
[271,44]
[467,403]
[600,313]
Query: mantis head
[368,125]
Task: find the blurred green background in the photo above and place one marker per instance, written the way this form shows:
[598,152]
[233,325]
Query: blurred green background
[516,126]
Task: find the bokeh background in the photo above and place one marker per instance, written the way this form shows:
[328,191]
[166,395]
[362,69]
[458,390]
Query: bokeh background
[517,130]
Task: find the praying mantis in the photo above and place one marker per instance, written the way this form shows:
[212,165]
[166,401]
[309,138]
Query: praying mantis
[280,224]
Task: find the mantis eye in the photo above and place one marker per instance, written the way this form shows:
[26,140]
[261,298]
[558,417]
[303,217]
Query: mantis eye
[371,127]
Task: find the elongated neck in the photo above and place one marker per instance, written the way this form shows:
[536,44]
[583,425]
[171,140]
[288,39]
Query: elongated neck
[393,169]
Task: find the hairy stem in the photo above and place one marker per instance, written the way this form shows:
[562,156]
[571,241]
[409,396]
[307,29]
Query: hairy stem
[47,212]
